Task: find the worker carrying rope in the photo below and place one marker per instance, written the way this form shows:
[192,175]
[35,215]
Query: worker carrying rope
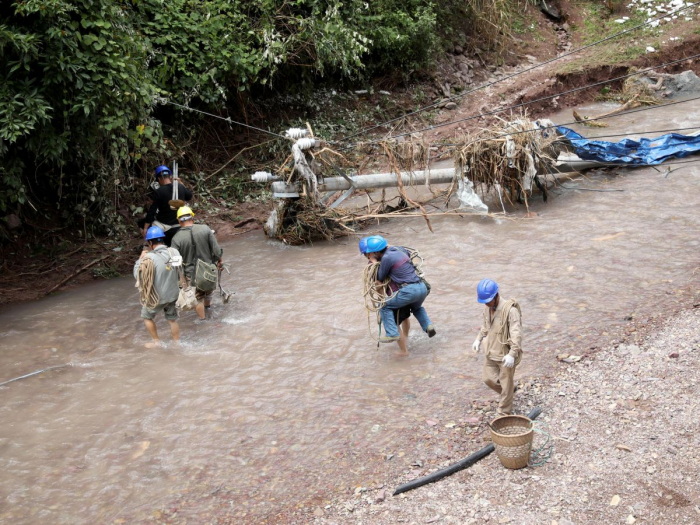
[157,280]
[502,329]
[392,283]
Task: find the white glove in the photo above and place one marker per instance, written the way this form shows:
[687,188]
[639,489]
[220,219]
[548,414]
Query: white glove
[476,344]
[508,361]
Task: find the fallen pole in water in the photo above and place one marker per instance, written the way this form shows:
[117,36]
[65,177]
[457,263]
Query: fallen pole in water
[34,373]
[460,465]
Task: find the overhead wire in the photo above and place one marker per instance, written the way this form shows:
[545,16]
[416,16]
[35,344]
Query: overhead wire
[541,99]
[227,119]
[607,117]
[628,134]
[508,77]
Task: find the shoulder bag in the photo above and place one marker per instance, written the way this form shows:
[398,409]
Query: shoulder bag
[204,277]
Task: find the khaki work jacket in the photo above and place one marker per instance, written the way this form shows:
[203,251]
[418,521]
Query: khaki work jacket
[492,332]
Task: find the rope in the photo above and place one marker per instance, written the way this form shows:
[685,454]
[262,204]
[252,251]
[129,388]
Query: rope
[508,77]
[147,278]
[542,454]
[505,326]
[376,296]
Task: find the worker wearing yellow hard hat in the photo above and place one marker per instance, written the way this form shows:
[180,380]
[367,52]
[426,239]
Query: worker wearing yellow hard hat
[184,211]
[201,255]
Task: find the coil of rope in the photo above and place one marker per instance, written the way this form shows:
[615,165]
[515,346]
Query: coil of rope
[376,296]
[504,335]
[147,280]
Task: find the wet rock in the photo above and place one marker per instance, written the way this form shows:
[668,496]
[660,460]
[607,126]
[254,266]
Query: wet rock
[673,355]
[451,105]
[318,512]
[458,50]
[615,501]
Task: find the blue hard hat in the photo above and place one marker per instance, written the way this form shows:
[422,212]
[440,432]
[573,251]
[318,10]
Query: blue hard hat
[162,171]
[486,290]
[376,243]
[363,245]
[154,232]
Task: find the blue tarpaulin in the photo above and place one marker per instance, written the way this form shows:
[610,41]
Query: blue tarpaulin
[629,151]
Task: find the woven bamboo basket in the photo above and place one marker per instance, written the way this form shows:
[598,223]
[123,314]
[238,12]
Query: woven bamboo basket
[512,436]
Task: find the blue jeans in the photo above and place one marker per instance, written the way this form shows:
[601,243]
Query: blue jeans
[411,295]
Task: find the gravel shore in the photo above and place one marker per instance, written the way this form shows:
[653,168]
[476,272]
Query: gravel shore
[624,423]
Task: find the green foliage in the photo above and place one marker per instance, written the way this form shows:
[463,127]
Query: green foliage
[83,80]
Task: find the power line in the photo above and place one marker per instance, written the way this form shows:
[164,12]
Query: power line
[543,128]
[488,84]
[541,99]
[227,119]
[630,133]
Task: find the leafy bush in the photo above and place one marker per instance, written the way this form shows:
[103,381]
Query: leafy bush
[82,78]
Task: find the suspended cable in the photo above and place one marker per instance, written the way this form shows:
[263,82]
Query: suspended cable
[541,99]
[227,119]
[508,77]
[648,108]
[631,133]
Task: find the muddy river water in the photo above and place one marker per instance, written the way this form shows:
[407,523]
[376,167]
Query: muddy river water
[283,395]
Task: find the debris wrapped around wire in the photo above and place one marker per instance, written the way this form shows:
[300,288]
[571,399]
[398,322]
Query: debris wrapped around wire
[506,158]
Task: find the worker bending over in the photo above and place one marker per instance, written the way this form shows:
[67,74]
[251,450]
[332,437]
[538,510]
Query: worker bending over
[196,241]
[160,212]
[407,288]
[502,330]
[157,280]
[402,314]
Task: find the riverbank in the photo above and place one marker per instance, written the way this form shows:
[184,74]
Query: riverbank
[626,446]
[39,259]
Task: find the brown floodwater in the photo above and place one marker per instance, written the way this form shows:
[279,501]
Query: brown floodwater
[282,395]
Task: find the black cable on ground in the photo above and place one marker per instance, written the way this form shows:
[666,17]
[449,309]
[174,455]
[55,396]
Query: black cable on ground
[484,86]
[460,465]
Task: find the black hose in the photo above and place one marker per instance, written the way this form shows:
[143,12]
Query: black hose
[460,465]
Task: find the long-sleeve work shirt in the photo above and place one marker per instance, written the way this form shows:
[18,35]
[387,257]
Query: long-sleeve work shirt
[497,346]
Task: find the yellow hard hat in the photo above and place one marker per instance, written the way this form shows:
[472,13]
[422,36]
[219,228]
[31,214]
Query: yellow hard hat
[185,210]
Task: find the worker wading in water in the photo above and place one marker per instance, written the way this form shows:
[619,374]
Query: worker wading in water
[502,331]
[408,290]
[196,241]
[402,314]
[160,213]
[156,277]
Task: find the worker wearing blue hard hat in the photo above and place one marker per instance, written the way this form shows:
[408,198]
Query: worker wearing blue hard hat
[407,287]
[157,278]
[403,314]
[501,331]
